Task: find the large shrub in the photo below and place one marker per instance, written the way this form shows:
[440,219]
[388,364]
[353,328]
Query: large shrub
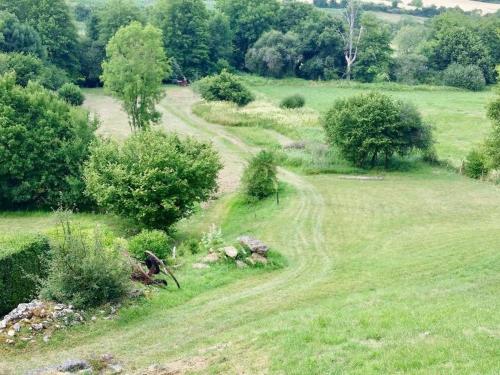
[156,241]
[367,126]
[83,272]
[492,144]
[259,179]
[153,178]
[225,87]
[469,77]
[72,94]
[22,261]
[293,101]
[275,54]
[475,165]
[27,67]
[43,143]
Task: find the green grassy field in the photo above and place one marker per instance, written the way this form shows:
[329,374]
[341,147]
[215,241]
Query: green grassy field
[388,276]
[458,117]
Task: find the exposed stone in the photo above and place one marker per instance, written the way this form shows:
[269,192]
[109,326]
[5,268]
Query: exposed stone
[254,245]
[74,365]
[250,261]
[16,327]
[9,341]
[241,264]
[211,258]
[37,326]
[46,338]
[259,258]
[115,368]
[200,266]
[231,251]
[11,333]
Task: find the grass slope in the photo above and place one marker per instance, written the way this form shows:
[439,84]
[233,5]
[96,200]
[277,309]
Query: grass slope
[392,276]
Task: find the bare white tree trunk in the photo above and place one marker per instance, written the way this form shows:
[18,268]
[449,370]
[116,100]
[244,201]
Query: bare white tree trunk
[351,35]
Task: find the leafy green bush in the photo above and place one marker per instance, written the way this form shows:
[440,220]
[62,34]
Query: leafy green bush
[22,261]
[156,241]
[469,77]
[225,87]
[27,67]
[153,178]
[367,126]
[83,272]
[259,178]
[72,94]
[293,101]
[475,165]
[43,144]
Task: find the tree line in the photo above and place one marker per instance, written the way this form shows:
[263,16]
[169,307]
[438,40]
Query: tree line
[266,37]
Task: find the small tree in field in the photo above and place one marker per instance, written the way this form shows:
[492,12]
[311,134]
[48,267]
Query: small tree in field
[367,126]
[135,67]
[259,179]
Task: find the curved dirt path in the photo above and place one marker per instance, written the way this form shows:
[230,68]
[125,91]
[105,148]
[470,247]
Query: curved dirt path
[225,322]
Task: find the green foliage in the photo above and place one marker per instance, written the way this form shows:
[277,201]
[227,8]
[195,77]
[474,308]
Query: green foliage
[368,125]
[153,178]
[156,241]
[293,101]
[113,15]
[72,94]
[212,239]
[248,20]
[53,22]
[475,165]
[134,70]
[275,55]
[321,47]
[27,67]
[461,45]
[260,177]
[83,271]
[19,37]
[292,14]
[23,260]
[220,48]
[492,144]
[411,69]
[52,77]
[43,143]
[469,77]
[186,35]
[374,56]
[225,87]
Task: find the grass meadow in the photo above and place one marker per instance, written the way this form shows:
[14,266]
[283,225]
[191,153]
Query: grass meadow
[391,276]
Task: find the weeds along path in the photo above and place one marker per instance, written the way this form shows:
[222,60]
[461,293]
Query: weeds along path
[224,322]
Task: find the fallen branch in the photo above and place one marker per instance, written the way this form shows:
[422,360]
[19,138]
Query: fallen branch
[165,269]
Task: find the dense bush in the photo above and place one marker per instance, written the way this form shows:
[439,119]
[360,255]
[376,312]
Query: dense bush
[43,143]
[469,77]
[72,94]
[156,241]
[293,101]
[475,165]
[153,178]
[492,144]
[366,126]
[259,178]
[83,272]
[225,87]
[275,55]
[22,262]
[27,67]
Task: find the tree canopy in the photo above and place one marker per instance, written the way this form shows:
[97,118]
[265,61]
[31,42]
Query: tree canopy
[135,67]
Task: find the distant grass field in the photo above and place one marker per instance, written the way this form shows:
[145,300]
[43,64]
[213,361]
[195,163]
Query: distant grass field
[459,117]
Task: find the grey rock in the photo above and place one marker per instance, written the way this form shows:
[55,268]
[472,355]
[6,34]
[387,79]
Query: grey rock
[254,245]
[241,264]
[231,251]
[257,258]
[73,365]
[211,258]
[16,327]
[37,326]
